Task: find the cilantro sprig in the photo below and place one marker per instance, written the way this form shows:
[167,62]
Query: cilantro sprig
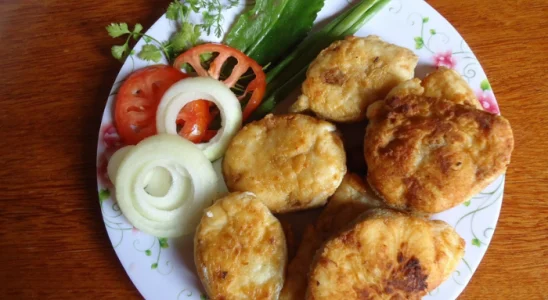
[148,52]
[186,36]
[211,13]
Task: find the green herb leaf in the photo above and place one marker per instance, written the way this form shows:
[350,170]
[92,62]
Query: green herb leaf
[117,29]
[195,5]
[119,51]
[476,242]
[425,20]
[168,51]
[485,86]
[154,266]
[186,38]
[104,194]
[467,203]
[433,31]
[419,43]
[136,30]
[150,53]
[206,56]
[203,297]
[173,10]
[163,243]
[148,252]
[272,27]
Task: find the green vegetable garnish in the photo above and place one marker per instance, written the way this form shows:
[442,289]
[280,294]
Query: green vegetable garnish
[271,27]
[290,72]
[186,36]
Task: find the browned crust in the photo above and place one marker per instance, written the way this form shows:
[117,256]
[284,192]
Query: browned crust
[237,241]
[291,162]
[429,155]
[350,200]
[385,255]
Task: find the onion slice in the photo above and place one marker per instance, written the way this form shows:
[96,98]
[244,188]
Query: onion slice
[190,89]
[163,184]
[115,161]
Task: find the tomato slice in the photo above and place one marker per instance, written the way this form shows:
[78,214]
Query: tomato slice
[257,86]
[138,99]
[195,118]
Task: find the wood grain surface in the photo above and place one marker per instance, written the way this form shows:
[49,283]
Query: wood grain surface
[55,75]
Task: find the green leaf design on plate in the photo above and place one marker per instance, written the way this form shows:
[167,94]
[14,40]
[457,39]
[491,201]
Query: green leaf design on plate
[154,266]
[419,43]
[163,243]
[467,203]
[476,242]
[433,31]
[485,86]
[425,19]
[104,194]
[148,252]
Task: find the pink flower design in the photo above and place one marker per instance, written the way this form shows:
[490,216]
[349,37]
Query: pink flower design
[487,101]
[110,138]
[445,59]
[102,170]
[135,231]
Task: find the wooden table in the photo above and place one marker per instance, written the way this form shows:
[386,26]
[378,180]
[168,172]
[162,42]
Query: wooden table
[56,72]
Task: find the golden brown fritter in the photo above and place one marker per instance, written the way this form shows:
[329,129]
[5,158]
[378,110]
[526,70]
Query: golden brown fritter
[240,250]
[349,201]
[291,162]
[351,74]
[443,83]
[429,155]
[385,255]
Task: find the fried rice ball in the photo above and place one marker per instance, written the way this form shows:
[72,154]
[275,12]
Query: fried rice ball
[351,74]
[350,200]
[291,162]
[385,255]
[430,154]
[240,249]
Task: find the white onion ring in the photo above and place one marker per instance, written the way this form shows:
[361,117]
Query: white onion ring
[182,180]
[115,161]
[190,89]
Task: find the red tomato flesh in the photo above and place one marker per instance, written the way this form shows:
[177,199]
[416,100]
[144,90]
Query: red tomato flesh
[138,99]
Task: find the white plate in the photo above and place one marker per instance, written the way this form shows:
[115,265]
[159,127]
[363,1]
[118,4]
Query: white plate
[164,269]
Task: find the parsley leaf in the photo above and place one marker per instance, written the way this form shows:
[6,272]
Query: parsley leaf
[117,30]
[150,53]
[186,38]
[136,30]
[119,51]
[173,10]
[187,35]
